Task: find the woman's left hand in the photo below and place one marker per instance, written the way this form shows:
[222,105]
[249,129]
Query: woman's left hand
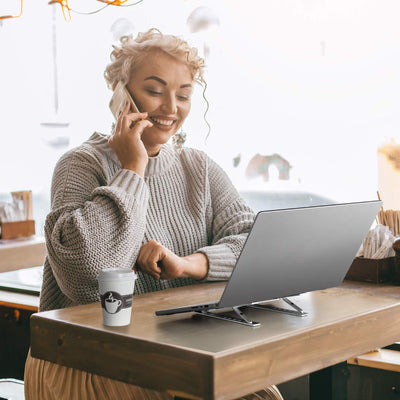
[156,260]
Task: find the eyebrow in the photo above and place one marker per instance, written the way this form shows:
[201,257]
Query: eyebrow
[156,78]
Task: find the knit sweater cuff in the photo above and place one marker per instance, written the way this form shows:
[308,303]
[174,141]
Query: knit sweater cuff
[127,180]
[221,261]
[130,182]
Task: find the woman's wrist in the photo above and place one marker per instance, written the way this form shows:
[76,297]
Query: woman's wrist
[138,168]
[196,266]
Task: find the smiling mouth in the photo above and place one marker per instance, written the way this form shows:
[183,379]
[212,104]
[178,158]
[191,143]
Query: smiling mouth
[164,122]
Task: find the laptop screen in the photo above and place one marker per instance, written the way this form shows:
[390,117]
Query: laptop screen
[298,250]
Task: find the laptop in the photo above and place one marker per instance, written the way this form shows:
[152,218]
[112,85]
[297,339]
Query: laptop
[26,280]
[289,252]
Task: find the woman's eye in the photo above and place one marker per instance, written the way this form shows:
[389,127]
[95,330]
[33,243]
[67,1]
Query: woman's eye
[184,98]
[154,92]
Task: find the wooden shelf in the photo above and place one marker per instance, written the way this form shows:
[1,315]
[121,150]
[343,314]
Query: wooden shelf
[388,360]
[19,300]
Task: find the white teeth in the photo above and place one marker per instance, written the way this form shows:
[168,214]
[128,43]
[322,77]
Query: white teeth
[162,121]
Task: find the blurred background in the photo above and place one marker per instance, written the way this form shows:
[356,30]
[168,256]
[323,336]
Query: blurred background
[302,93]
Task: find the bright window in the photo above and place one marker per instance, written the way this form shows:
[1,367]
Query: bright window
[317,82]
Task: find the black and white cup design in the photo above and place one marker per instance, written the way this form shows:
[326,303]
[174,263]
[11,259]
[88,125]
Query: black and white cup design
[116,287]
[113,302]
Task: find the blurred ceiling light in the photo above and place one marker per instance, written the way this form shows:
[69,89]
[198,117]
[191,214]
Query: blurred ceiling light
[121,27]
[13,16]
[202,18]
[64,6]
[113,2]
[66,10]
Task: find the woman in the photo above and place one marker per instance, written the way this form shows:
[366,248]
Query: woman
[131,200]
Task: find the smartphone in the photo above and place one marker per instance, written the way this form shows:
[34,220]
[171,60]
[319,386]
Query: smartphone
[119,99]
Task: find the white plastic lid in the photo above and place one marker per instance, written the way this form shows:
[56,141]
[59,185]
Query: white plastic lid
[116,274]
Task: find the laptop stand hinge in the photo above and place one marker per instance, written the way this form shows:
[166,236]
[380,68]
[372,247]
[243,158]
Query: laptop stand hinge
[297,311]
[240,319]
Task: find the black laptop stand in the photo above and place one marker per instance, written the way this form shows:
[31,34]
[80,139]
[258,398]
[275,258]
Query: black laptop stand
[242,319]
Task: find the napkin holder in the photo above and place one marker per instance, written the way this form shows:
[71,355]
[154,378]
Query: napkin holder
[371,270]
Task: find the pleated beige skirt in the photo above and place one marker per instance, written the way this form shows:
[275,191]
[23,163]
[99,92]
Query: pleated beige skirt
[48,381]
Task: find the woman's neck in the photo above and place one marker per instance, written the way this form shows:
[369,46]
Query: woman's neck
[153,150]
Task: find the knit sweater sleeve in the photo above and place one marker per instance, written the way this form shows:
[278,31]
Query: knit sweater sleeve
[232,219]
[93,223]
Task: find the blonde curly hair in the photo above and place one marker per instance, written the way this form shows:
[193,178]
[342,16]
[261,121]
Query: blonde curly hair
[130,54]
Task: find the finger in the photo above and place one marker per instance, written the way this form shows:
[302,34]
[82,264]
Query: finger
[133,117]
[156,272]
[148,263]
[151,270]
[140,126]
[136,125]
[156,276]
[155,255]
[153,267]
[137,115]
[149,255]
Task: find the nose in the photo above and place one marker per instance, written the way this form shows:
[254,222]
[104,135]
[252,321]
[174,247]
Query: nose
[169,105]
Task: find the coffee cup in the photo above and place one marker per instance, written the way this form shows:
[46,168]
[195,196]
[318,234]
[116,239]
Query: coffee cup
[116,286]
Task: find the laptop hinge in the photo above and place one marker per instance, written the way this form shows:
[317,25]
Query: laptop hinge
[297,311]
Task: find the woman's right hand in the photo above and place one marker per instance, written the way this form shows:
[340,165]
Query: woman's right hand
[126,140]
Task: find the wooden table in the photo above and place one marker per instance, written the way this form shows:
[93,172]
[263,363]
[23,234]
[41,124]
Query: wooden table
[212,359]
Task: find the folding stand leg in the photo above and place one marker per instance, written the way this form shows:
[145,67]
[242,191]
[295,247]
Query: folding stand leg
[297,311]
[240,319]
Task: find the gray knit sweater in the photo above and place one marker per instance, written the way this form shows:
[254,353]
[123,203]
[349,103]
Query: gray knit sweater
[101,215]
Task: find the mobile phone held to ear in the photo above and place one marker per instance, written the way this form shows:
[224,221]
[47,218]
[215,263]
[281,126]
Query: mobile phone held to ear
[119,99]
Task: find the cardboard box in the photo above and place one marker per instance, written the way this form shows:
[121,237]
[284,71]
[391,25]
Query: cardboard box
[371,270]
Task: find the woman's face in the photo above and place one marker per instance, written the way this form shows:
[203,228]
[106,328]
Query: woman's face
[161,86]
